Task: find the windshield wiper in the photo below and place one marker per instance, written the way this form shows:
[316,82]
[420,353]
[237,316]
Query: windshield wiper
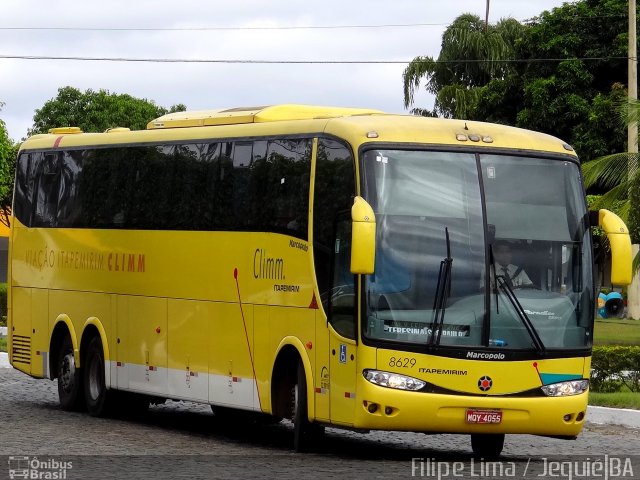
[443,289]
[492,270]
[509,293]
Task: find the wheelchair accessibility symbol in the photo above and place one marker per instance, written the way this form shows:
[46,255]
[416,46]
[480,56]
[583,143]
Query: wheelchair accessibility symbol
[343,353]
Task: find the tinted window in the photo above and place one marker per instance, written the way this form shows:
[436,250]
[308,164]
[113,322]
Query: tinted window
[261,185]
[333,193]
[280,186]
[23,190]
[333,196]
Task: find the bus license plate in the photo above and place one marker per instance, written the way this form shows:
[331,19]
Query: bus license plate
[484,416]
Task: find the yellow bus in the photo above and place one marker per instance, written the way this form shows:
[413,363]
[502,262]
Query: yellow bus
[326,265]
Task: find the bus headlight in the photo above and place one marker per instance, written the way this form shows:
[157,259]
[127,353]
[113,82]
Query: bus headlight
[562,389]
[393,380]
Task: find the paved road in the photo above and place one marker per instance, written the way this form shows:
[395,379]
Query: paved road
[184,440]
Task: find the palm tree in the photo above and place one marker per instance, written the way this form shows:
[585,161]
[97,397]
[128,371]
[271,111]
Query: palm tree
[610,173]
[613,174]
[472,54]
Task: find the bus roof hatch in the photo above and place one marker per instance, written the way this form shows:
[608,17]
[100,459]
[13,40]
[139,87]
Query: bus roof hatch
[232,116]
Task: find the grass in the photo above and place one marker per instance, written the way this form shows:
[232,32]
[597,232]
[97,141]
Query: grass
[615,400]
[3,344]
[616,331]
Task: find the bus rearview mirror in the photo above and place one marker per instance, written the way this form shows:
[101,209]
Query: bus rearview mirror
[363,237]
[620,242]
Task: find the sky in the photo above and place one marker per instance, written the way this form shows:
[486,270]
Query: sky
[394,31]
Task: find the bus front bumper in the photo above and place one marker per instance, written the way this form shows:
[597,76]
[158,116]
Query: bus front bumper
[381,408]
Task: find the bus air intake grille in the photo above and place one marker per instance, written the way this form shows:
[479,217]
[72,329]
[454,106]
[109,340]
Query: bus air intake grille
[21,347]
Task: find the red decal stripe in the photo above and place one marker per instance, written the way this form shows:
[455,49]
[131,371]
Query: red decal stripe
[56,144]
[246,335]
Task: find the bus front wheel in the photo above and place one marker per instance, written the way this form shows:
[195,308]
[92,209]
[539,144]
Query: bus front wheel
[69,378]
[305,433]
[95,390]
[487,445]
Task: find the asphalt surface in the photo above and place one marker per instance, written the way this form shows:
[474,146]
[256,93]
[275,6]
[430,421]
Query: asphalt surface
[185,440]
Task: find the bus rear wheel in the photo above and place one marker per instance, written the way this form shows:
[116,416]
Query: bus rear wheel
[487,445]
[69,378]
[95,391]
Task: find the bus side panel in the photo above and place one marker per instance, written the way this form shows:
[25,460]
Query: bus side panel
[79,306]
[39,333]
[231,381]
[142,351]
[272,325]
[20,329]
[264,355]
[189,340]
[298,323]
[321,371]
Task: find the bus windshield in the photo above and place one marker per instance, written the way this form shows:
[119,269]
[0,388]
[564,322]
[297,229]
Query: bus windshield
[532,240]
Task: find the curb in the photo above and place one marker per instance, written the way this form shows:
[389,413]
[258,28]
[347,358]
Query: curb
[4,360]
[613,416]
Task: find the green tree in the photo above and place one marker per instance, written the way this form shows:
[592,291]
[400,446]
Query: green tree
[472,54]
[610,174]
[96,111]
[8,151]
[562,73]
[569,77]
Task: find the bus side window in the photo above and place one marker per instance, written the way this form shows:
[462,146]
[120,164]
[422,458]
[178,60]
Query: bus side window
[47,188]
[241,158]
[333,196]
[23,196]
[342,311]
[69,200]
[284,186]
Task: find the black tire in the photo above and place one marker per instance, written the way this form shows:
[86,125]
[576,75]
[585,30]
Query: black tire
[70,391]
[305,433]
[96,395]
[487,446]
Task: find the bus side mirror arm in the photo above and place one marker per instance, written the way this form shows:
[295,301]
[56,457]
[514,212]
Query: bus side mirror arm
[363,237]
[620,241]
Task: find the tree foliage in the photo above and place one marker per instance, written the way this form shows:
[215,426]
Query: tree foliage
[616,175]
[575,93]
[472,54]
[8,151]
[562,73]
[96,111]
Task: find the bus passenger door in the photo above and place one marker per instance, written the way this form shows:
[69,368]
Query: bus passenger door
[342,374]
[342,330]
[334,188]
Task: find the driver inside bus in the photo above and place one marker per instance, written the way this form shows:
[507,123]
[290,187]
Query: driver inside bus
[514,275]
